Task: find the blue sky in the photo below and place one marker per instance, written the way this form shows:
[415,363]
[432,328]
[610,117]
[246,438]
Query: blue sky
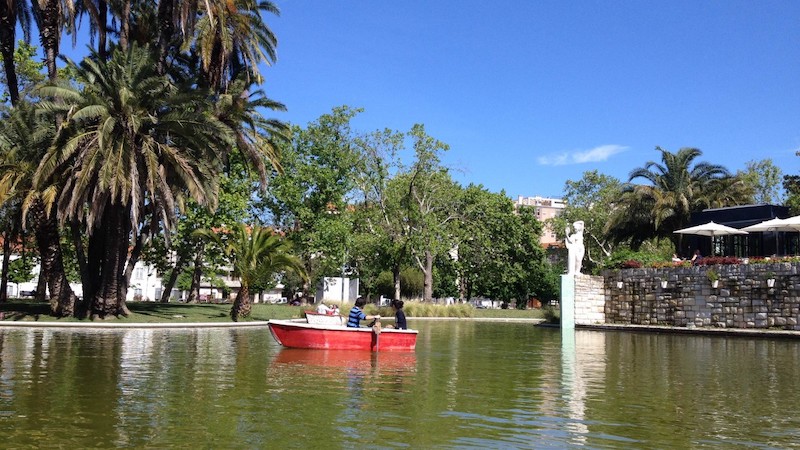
[530,94]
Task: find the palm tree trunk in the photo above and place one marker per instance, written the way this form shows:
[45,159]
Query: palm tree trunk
[194,291]
[102,29]
[62,299]
[8,40]
[241,306]
[107,299]
[6,260]
[165,31]
[173,277]
[50,36]
[125,24]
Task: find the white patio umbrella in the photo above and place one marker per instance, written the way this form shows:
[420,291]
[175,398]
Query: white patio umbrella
[790,224]
[712,229]
[774,225]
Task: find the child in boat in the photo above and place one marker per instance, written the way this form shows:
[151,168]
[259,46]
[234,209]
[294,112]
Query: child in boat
[357,314]
[399,315]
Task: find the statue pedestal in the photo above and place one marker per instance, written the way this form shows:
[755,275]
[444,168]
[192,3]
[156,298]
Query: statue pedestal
[567,302]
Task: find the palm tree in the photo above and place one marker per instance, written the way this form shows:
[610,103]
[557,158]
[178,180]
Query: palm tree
[131,146]
[24,138]
[232,38]
[257,254]
[52,18]
[257,138]
[676,188]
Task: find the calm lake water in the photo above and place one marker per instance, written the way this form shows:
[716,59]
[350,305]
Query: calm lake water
[468,385]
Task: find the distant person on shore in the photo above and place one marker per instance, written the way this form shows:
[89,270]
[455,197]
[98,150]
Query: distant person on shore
[676,259]
[696,257]
[357,314]
[399,316]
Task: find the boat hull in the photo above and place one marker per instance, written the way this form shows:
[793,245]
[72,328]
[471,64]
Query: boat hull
[305,335]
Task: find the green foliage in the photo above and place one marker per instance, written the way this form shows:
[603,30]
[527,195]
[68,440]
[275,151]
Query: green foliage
[499,255]
[671,191]
[28,70]
[591,199]
[764,179]
[20,270]
[622,257]
[552,315]
[384,284]
[425,309]
[791,184]
[712,275]
[309,200]
[411,282]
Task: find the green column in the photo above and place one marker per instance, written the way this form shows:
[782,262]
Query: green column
[567,302]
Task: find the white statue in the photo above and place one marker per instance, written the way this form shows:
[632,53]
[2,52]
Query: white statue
[575,247]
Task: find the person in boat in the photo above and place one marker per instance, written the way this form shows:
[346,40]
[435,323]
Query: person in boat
[357,314]
[399,315]
[324,309]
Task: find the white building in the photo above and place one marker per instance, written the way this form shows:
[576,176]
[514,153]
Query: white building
[147,285]
[337,289]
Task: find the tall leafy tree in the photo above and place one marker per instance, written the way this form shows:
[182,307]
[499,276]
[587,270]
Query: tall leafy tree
[132,143]
[498,253]
[310,202]
[431,203]
[764,178]
[381,227]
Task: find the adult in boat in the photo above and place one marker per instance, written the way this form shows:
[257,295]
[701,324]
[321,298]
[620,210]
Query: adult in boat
[324,309]
[399,315]
[357,314]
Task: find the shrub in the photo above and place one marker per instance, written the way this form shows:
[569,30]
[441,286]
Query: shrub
[551,314]
[630,264]
[417,309]
[723,260]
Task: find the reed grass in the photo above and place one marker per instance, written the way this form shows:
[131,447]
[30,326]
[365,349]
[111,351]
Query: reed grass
[154,312]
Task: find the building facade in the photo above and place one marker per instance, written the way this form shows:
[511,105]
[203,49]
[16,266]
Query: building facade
[546,208]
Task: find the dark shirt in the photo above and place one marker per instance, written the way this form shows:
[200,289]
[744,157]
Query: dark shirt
[355,317]
[400,320]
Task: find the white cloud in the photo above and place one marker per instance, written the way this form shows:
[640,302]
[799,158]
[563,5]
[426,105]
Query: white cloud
[596,154]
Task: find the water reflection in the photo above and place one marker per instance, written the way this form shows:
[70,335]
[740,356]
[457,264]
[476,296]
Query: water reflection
[468,385]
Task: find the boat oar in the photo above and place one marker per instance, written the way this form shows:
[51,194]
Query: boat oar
[376,330]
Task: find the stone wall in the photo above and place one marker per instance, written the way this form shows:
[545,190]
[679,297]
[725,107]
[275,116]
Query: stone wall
[685,296]
[590,300]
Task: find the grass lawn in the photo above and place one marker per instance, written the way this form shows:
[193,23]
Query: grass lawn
[153,312]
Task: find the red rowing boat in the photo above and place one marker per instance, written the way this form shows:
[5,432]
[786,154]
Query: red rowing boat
[294,334]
